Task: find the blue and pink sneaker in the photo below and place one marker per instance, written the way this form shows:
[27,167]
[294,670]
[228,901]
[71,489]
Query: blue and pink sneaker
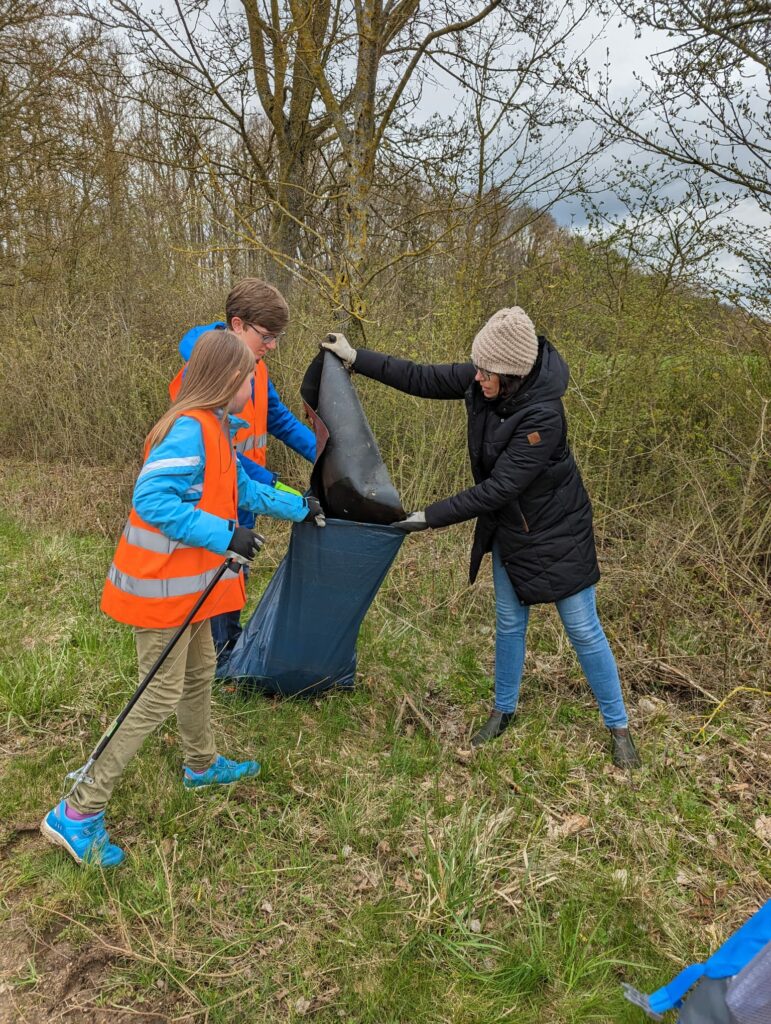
[222,773]
[86,839]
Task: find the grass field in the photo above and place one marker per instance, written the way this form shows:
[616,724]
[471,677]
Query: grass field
[374,873]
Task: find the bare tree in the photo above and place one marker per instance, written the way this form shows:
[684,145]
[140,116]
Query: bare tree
[703,111]
[527,147]
[329,78]
[707,104]
[672,227]
[55,173]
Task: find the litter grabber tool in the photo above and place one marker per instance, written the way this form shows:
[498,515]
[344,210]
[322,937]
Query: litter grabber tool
[234,562]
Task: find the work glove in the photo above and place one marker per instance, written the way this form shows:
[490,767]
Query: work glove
[414,522]
[315,511]
[245,543]
[343,349]
[287,489]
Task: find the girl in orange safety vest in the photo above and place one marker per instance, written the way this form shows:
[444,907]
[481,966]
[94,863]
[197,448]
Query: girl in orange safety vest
[182,522]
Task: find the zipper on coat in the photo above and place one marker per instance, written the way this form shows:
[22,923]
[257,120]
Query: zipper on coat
[524,522]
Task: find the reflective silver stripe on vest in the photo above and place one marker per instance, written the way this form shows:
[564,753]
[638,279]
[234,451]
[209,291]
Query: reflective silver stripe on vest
[252,442]
[179,586]
[148,540]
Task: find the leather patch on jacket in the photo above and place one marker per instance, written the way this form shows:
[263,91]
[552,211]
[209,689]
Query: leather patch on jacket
[534,438]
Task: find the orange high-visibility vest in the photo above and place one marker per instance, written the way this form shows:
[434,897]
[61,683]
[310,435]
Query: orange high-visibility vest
[155,581]
[252,441]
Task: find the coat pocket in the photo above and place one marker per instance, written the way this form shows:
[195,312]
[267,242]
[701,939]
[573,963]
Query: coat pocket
[513,517]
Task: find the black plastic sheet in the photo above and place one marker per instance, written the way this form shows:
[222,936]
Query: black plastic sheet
[349,477]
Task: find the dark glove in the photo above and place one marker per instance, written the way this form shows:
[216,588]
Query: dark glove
[245,543]
[315,511]
[414,522]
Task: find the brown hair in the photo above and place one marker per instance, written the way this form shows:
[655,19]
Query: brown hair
[257,302]
[510,384]
[219,365]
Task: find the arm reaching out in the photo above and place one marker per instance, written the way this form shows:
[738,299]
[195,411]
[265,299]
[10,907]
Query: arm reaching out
[425,380]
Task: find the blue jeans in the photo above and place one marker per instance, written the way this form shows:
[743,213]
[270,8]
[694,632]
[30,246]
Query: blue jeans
[579,617]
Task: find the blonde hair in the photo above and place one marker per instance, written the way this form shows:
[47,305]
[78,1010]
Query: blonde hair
[219,365]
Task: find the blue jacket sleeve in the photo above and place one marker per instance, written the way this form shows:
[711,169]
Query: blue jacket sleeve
[257,472]
[170,483]
[284,425]
[265,500]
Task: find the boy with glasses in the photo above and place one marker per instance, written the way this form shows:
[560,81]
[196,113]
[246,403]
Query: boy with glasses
[258,314]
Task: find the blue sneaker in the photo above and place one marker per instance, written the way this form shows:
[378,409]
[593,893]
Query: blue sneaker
[221,773]
[86,841]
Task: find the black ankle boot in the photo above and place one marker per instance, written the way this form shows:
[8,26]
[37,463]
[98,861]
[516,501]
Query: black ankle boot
[494,726]
[624,752]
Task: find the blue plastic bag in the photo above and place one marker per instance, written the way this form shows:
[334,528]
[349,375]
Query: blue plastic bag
[302,636]
[736,952]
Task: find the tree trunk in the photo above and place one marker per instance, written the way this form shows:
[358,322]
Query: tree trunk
[287,217]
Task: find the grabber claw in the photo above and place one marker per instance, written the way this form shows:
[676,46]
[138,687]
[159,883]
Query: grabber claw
[80,775]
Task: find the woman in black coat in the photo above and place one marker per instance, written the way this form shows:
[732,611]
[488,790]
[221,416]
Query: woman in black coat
[532,510]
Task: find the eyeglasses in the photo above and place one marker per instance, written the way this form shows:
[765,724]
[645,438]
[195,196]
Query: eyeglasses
[266,336]
[484,374]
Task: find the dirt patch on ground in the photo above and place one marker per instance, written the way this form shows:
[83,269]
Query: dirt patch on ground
[44,979]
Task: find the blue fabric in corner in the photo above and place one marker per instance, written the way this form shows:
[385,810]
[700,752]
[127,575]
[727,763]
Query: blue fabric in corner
[733,955]
[302,636]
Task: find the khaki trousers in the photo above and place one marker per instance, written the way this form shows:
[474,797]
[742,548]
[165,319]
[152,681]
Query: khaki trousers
[182,685]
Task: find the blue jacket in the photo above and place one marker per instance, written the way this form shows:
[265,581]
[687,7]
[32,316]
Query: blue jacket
[282,423]
[171,482]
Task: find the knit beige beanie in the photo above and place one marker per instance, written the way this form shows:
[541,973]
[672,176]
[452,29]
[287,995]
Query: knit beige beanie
[507,343]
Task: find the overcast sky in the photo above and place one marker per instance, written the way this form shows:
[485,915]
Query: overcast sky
[612,41]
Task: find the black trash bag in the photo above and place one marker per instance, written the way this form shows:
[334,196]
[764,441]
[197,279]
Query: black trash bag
[302,636]
[301,639]
[349,477]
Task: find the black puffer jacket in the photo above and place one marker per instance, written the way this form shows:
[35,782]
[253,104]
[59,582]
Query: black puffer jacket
[528,494]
